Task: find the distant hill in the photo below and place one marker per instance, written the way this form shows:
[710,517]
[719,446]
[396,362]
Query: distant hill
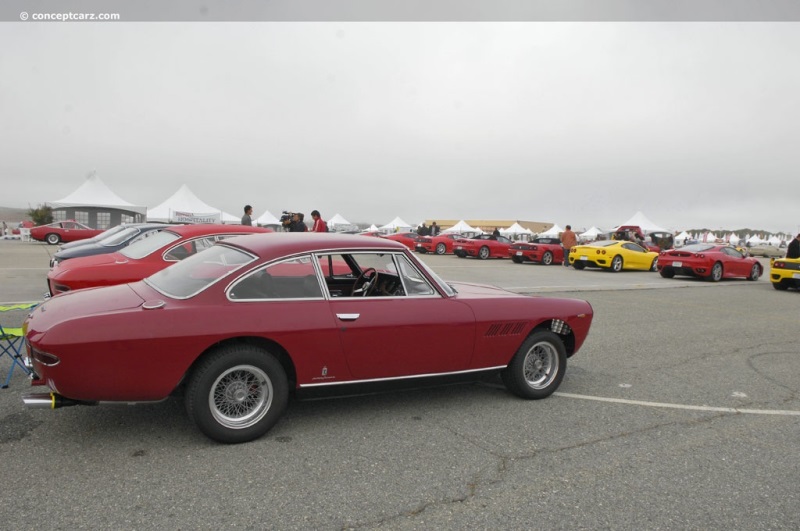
[13,215]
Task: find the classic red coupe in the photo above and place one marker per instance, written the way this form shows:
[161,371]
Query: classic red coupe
[541,250]
[63,231]
[409,239]
[238,327]
[482,246]
[709,261]
[140,259]
[440,244]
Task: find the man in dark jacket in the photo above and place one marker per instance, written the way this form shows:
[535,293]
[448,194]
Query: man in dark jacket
[793,251]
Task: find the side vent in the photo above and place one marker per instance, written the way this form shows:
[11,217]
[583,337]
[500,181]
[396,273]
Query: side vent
[505,329]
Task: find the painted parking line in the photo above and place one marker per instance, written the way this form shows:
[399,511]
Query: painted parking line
[681,406]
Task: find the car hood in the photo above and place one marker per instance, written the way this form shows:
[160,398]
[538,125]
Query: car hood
[467,289]
[89,249]
[75,305]
[97,260]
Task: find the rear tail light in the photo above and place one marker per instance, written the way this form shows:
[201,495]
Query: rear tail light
[779,265]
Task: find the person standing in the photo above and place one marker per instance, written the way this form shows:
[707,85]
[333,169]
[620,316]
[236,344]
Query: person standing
[793,250]
[568,241]
[247,219]
[297,224]
[434,229]
[319,223]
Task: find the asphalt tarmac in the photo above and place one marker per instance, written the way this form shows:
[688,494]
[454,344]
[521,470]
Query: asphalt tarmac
[682,411]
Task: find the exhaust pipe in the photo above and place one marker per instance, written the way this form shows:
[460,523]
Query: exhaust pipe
[49,401]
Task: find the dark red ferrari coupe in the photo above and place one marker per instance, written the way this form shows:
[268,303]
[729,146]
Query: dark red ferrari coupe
[140,259]
[409,239]
[709,261]
[541,250]
[63,231]
[238,327]
[482,246]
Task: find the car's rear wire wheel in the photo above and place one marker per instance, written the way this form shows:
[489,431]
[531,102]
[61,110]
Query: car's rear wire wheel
[538,367]
[237,393]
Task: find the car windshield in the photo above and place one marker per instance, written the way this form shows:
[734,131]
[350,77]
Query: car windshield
[195,273]
[444,285]
[119,237]
[144,247]
[110,233]
[697,247]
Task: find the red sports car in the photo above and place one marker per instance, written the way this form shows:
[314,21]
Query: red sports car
[483,246]
[440,244]
[63,231]
[541,250]
[240,326]
[409,239]
[709,261]
[140,259]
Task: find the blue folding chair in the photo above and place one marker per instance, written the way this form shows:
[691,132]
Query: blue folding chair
[12,341]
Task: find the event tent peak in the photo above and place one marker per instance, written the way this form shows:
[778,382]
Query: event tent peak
[94,192]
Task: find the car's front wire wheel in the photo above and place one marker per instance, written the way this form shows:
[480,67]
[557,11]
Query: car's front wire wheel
[237,393]
[538,366]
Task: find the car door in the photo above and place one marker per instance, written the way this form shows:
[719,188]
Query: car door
[418,332]
[636,257]
[735,263]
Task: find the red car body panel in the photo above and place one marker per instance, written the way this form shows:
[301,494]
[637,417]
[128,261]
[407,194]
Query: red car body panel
[483,246]
[409,239]
[110,347]
[67,231]
[116,268]
[537,251]
[697,260]
[440,244]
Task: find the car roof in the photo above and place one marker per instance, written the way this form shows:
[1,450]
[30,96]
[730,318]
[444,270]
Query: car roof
[279,244]
[188,231]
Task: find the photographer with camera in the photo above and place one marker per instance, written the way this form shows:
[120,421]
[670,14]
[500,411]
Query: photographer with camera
[293,222]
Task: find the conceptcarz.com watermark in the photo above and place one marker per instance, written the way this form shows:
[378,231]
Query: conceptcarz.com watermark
[67,16]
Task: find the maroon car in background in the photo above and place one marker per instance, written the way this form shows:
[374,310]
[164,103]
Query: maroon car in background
[440,244]
[63,231]
[482,246]
[239,327]
[540,250]
[709,261]
[409,239]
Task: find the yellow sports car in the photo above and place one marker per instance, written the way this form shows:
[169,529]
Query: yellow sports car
[784,273]
[614,255]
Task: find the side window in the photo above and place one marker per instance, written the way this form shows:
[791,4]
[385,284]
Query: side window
[290,279]
[179,252]
[414,282]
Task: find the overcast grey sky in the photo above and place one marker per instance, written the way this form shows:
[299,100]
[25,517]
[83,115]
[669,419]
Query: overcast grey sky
[694,124]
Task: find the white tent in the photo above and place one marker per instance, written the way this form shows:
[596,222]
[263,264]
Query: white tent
[230,219]
[94,193]
[462,227]
[590,234]
[394,225]
[553,232]
[733,239]
[755,240]
[517,231]
[372,228]
[338,224]
[681,238]
[267,219]
[184,207]
[641,221]
[774,241]
[337,219]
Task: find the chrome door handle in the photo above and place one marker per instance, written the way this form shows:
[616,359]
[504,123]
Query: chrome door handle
[348,316]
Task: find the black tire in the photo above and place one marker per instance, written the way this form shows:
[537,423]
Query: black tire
[547,258]
[716,272]
[441,248]
[516,259]
[421,250]
[616,264]
[654,265]
[237,393]
[52,238]
[483,253]
[755,272]
[667,272]
[780,286]
[578,265]
[538,367]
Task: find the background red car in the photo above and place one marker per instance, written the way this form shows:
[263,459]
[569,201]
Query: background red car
[140,259]
[709,261]
[440,244]
[409,239]
[483,246]
[541,250]
[63,231]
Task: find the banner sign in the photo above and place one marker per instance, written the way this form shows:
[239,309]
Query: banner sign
[195,217]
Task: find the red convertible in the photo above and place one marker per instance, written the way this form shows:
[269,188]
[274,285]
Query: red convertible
[63,231]
[440,244]
[483,246]
[541,250]
[140,259]
[239,327]
[709,261]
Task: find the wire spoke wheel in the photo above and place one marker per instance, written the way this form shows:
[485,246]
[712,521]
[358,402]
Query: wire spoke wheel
[240,396]
[541,363]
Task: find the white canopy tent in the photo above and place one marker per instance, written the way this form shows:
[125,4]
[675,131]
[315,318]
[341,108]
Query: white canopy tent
[516,231]
[553,232]
[681,238]
[372,228]
[267,219]
[94,193]
[462,227]
[641,221]
[184,207]
[395,225]
[774,241]
[590,234]
[339,224]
